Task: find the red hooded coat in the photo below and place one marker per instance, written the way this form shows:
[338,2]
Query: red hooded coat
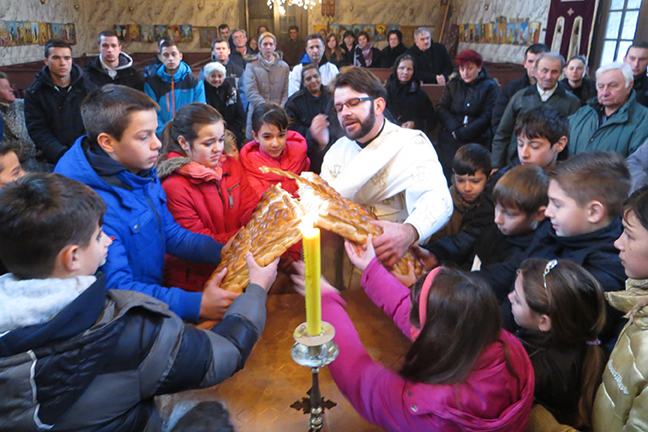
[202,203]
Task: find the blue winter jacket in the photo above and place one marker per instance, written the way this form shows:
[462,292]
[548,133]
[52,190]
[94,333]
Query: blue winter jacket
[171,94]
[143,229]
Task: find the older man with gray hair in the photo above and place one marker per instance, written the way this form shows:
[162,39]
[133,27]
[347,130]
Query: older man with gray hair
[433,63]
[546,90]
[615,121]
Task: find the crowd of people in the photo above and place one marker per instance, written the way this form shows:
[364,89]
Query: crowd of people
[527,205]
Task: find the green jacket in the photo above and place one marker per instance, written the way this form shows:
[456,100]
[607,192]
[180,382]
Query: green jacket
[504,149]
[623,133]
[622,399]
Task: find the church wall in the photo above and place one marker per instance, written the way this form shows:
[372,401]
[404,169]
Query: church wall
[474,12]
[92,17]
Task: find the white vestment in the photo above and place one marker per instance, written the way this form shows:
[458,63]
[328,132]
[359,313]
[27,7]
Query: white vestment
[398,176]
[327,71]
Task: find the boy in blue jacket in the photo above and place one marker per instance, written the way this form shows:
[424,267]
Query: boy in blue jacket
[116,159]
[173,85]
[77,357]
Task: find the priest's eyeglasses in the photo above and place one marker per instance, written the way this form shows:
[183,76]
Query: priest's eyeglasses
[351,103]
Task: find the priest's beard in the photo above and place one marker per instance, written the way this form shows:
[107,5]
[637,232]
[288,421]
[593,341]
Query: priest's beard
[365,125]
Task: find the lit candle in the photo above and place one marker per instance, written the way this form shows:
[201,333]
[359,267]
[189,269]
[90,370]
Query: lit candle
[311,247]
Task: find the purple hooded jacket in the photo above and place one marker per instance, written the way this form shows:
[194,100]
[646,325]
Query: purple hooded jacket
[490,399]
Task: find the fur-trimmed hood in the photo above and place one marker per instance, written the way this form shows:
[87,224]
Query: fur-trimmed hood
[170,165]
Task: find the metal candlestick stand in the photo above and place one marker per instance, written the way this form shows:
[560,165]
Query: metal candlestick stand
[314,352]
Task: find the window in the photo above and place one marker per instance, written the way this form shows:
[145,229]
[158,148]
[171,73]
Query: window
[620,29]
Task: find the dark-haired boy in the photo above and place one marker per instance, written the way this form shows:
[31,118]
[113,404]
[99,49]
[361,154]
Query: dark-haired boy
[75,356]
[542,135]
[173,85]
[473,209]
[116,159]
[53,102]
[520,198]
[586,194]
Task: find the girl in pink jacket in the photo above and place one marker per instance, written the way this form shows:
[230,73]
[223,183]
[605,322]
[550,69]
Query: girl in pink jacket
[462,372]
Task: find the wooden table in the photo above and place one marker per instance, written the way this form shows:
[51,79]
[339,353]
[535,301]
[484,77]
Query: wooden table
[258,398]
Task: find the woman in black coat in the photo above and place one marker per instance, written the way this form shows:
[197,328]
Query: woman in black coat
[395,49]
[308,111]
[408,104]
[365,49]
[465,109]
[225,98]
[351,56]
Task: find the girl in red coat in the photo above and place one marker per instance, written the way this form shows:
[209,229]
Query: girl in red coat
[273,146]
[207,191]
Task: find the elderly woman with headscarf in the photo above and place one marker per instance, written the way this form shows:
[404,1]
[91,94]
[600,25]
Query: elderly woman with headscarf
[225,98]
[408,104]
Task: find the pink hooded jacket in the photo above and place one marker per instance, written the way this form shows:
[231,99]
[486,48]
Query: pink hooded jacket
[490,399]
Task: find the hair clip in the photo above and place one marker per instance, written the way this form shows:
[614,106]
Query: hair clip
[550,266]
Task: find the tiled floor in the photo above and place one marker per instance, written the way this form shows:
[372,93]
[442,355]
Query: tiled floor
[258,398]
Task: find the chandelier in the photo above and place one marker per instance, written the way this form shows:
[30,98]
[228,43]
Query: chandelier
[281,4]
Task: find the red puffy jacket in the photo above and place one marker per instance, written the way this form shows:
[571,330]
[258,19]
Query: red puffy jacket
[292,159]
[202,204]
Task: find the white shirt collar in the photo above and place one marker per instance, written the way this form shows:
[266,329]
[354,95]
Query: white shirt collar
[546,94]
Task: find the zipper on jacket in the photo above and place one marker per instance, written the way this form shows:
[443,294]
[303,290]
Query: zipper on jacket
[156,215]
[229,193]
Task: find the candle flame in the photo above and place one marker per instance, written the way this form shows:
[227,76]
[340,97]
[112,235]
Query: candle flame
[307,225]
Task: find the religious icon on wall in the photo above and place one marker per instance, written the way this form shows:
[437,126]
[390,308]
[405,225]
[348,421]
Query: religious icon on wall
[133,33]
[35,32]
[121,32]
[477,37]
[501,26]
[69,33]
[173,32]
[534,32]
[4,34]
[356,28]
[186,33]
[161,32]
[462,30]
[43,33]
[20,32]
[27,34]
[381,32]
[207,35]
[335,29]
[148,34]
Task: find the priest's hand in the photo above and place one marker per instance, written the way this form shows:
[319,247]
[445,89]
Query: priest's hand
[319,130]
[394,241]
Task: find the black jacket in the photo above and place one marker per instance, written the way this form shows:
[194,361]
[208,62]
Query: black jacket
[594,251]
[640,87]
[407,102]
[126,74]
[350,56]
[585,92]
[466,109]
[494,247]
[506,93]
[97,365]
[458,248]
[301,108]
[388,55]
[558,372]
[226,100]
[375,57]
[53,115]
[432,62]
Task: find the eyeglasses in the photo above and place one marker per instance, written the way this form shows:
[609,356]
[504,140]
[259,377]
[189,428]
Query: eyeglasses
[351,103]
[550,266]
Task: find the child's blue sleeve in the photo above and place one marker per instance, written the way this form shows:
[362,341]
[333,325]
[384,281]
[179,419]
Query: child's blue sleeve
[119,276]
